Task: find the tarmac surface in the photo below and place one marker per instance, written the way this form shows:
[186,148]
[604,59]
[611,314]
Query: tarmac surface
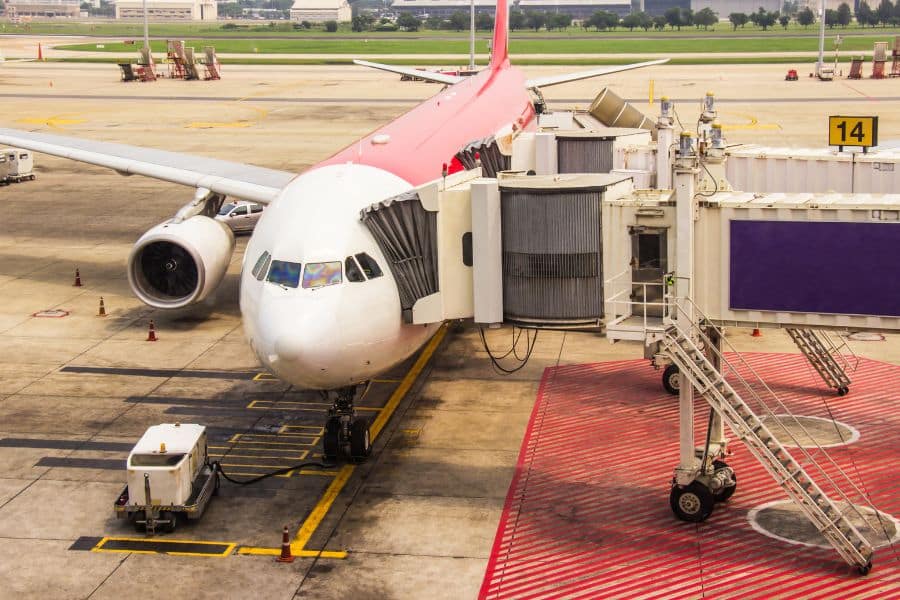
[76,391]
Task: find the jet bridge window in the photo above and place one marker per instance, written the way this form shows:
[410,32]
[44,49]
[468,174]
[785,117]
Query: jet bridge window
[369,266]
[285,273]
[259,269]
[354,273]
[318,275]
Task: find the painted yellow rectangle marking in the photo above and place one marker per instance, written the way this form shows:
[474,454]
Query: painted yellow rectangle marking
[254,551]
[229,546]
[853,131]
[315,430]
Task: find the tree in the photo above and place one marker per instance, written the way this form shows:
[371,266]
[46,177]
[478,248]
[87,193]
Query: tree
[558,21]
[806,17]
[408,21]
[516,19]
[484,21]
[646,21]
[831,17]
[843,14]
[884,12]
[706,17]
[764,19]
[784,21]
[535,19]
[631,21]
[331,26]
[674,17]
[362,22]
[865,15]
[738,20]
[659,22]
[459,20]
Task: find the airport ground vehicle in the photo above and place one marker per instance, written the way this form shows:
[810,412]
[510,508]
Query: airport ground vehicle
[16,165]
[168,473]
[240,216]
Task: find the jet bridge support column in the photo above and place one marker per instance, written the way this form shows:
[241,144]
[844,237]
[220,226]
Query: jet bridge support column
[685,209]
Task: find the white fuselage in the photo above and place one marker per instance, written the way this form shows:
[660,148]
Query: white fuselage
[335,335]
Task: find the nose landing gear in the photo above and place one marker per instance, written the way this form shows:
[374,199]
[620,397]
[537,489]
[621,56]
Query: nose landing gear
[345,431]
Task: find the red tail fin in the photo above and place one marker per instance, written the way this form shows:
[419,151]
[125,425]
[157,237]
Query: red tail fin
[500,45]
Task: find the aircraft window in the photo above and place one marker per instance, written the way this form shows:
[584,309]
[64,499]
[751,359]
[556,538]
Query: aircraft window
[369,266]
[156,460]
[354,273]
[261,262]
[285,273]
[226,208]
[256,208]
[318,275]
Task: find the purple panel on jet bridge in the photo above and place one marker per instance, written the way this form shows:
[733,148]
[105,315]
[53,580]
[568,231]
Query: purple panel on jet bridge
[801,266]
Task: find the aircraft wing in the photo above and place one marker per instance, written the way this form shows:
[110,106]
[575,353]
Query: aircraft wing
[541,82]
[247,182]
[412,72]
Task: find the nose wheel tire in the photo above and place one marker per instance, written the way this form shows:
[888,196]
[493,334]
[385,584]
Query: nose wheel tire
[331,439]
[693,502]
[360,444]
[671,380]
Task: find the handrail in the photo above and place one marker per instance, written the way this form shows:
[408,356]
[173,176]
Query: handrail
[694,329]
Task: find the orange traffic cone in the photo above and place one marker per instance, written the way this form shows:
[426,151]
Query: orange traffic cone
[102,311]
[40,52]
[151,333]
[77,278]
[756,332]
[286,556]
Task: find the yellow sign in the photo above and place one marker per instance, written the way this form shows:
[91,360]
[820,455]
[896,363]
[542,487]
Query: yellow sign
[853,131]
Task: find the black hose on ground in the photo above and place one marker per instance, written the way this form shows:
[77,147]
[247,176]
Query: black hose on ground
[218,467]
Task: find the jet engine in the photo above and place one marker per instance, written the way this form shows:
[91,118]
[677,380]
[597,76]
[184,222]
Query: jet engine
[180,262]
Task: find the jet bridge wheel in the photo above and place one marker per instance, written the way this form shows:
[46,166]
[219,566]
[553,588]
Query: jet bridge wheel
[725,493]
[865,570]
[693,502]
[670,379]
[843,390]
[360,443]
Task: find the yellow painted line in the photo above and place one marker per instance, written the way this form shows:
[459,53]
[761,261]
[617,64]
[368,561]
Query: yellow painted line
[386,380]
[252,551]
[392,403]
[229,546]
[322,506]
[319,430]
[215,125]
[245,443]
[265,377]
[263,456]
[56,122]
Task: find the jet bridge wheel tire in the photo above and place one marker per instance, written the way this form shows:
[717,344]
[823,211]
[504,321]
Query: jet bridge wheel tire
[865,570]
[331,440]
[172,518]
[728,492]
[693,503]
[843,390]
[360,442]
[671,380]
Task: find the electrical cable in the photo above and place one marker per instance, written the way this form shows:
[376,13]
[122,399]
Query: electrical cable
[218,467]
[530,341]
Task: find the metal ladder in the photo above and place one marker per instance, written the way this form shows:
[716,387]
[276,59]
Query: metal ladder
[825,357]
[680,343]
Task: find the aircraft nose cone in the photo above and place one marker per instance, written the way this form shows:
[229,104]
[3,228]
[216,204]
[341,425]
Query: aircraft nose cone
[289,347]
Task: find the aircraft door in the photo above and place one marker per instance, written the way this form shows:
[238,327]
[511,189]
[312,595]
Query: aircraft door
[649,263]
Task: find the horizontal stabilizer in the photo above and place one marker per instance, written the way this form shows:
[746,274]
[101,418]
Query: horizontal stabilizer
[540,82]
[243,181]
[412,72]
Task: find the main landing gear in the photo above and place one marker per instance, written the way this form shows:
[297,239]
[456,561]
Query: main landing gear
[346,432]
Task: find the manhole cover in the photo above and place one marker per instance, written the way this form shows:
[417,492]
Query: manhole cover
[783,520]
[52,313]
[866,336]
[806,432]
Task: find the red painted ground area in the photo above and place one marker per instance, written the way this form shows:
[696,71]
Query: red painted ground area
[587,513]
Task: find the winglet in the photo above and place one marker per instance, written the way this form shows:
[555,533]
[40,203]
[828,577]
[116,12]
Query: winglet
[500,44]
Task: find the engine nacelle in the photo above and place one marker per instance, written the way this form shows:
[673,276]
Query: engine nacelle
[180,263]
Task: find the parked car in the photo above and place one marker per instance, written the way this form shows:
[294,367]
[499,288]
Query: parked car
[240,216]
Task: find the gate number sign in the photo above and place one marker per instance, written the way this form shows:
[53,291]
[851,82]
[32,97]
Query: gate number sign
[853,131]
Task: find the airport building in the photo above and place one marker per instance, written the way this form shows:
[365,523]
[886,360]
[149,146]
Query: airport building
[168,10]
[319,11]
[582,9]
[43,8]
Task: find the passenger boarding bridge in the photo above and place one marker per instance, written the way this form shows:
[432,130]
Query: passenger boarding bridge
[598,228]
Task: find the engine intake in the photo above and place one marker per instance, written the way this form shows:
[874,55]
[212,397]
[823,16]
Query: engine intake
[180,263]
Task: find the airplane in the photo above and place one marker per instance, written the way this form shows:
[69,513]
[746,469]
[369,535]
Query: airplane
[318,297]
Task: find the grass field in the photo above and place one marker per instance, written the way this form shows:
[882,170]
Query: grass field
[365,46]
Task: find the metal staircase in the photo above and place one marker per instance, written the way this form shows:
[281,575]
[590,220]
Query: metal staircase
[684,341]
[826,357]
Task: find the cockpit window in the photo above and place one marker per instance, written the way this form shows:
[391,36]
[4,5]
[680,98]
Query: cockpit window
[226,208]
[286,273]
[259,269]
[369,266]
[321,274]
[354,273]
